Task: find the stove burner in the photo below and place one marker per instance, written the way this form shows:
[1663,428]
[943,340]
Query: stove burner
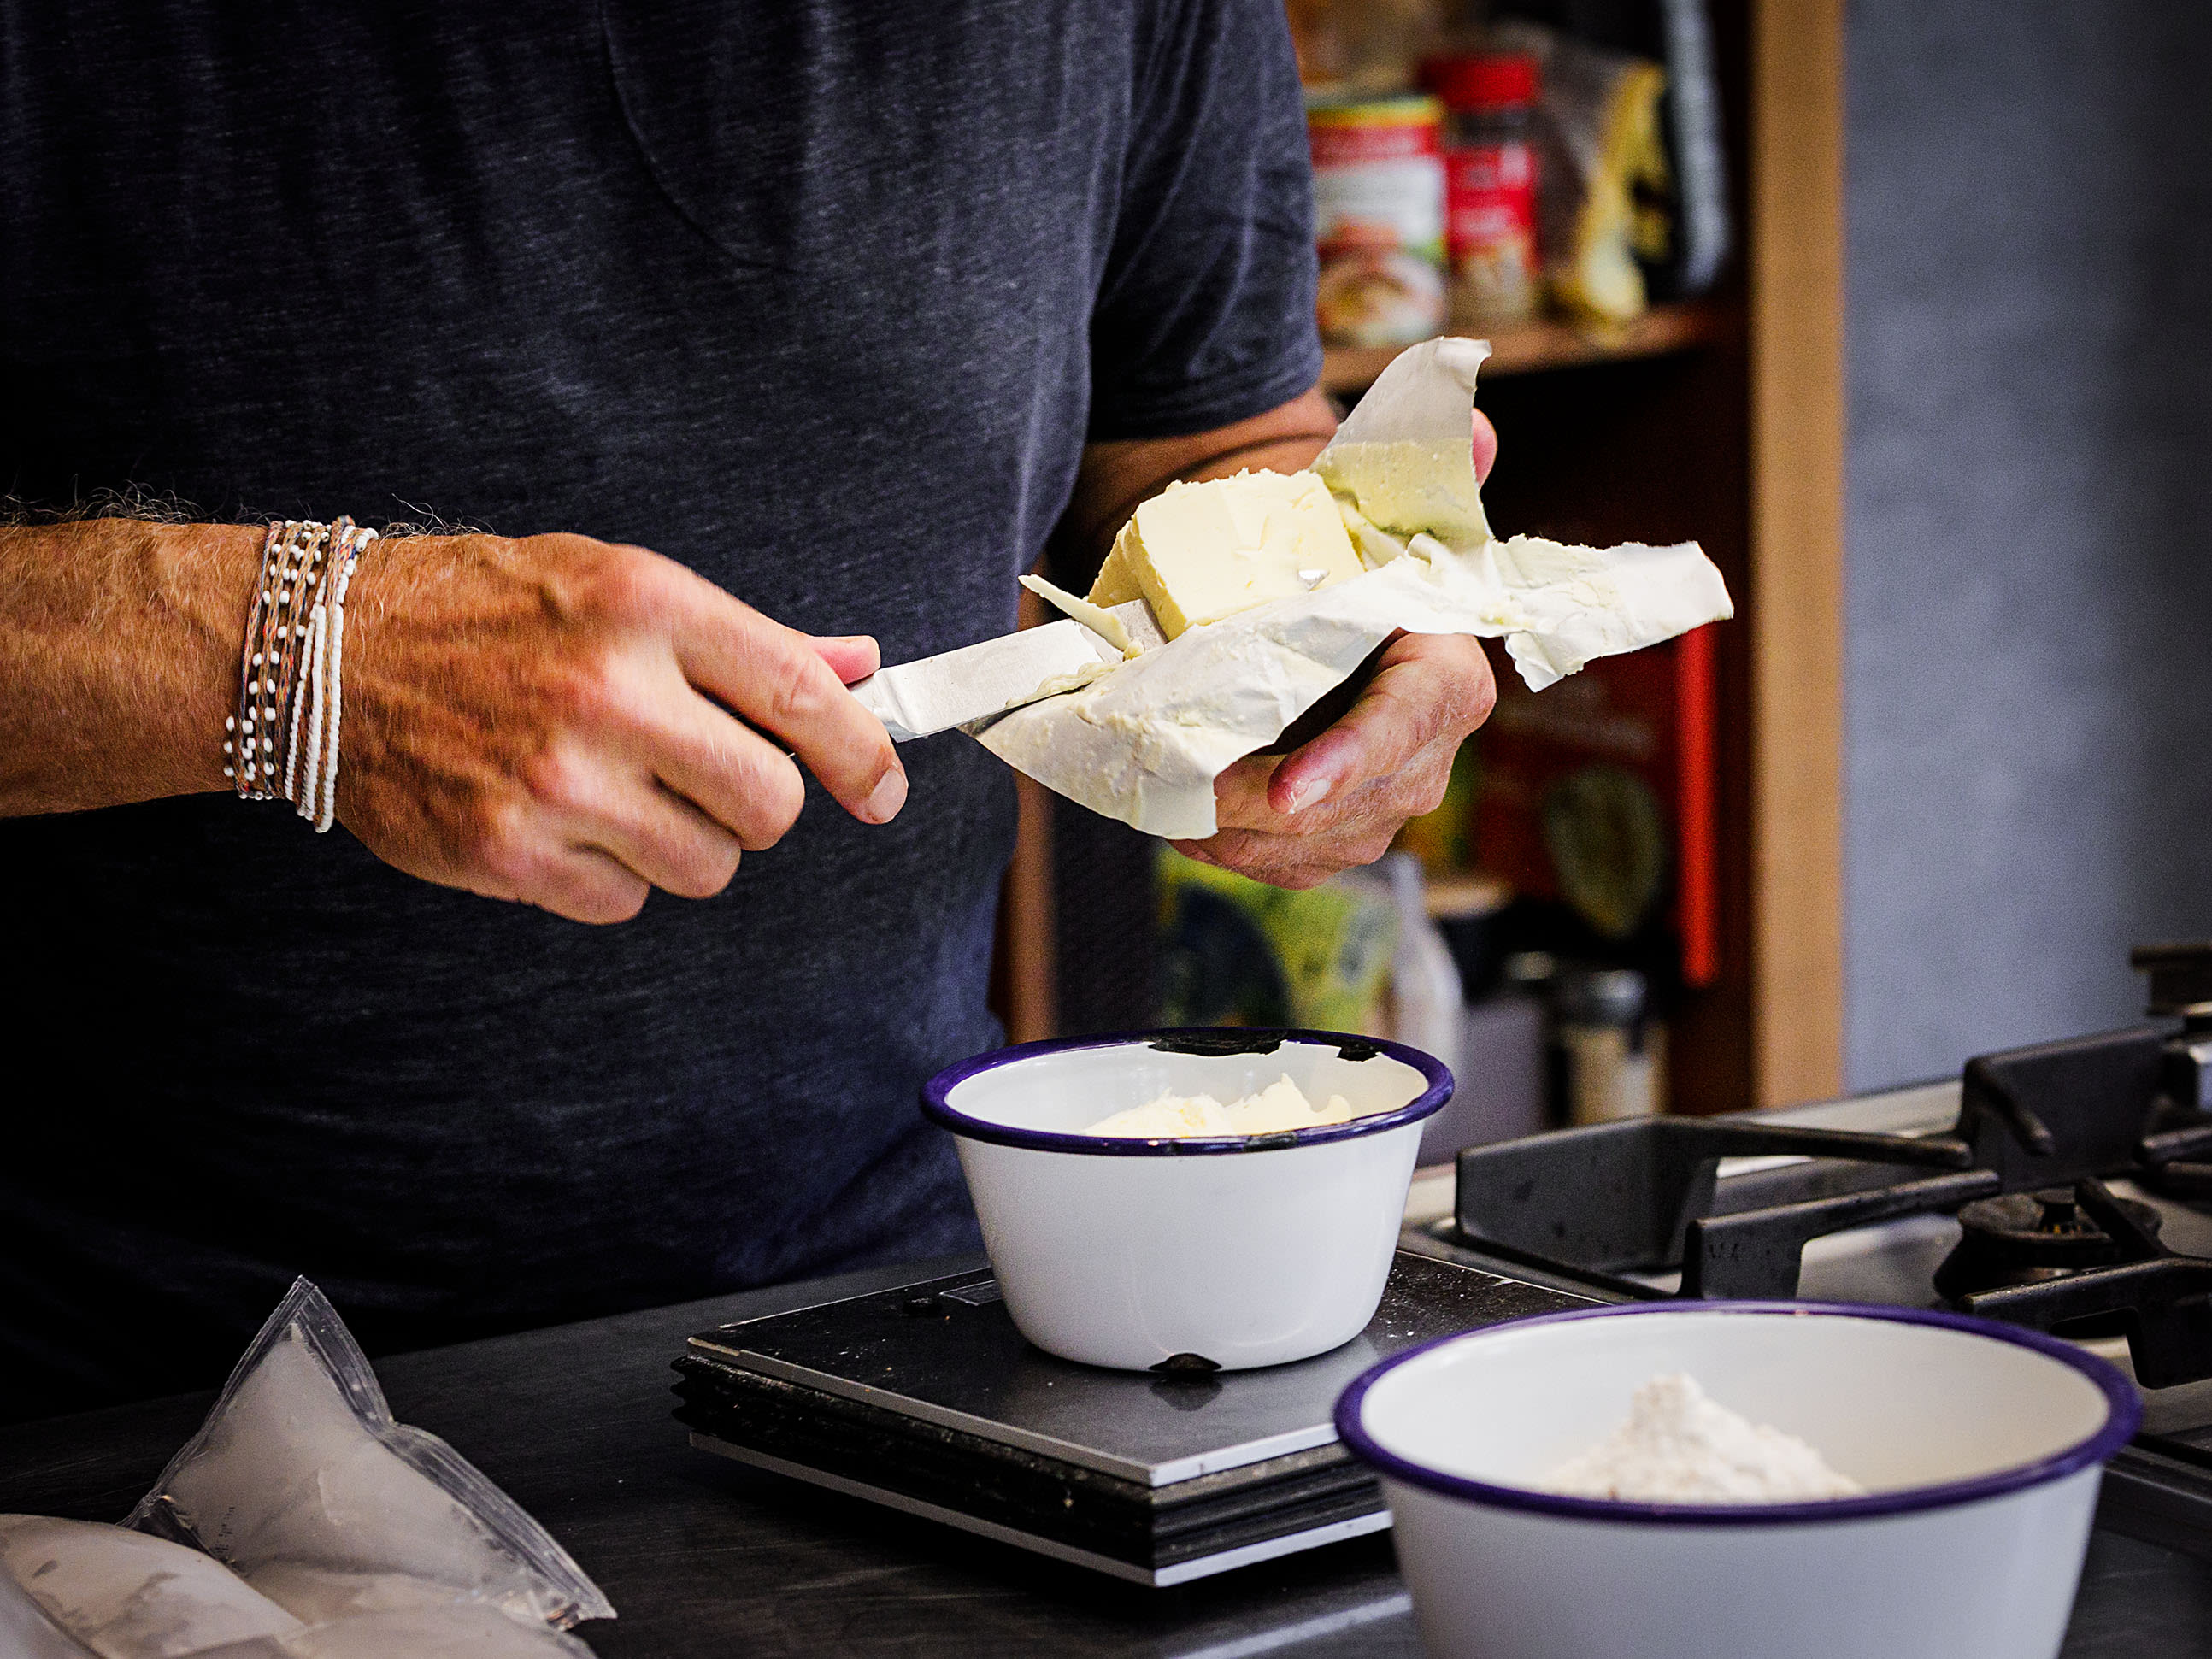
[2162,1302]
[2043,1242]
[2025,1238]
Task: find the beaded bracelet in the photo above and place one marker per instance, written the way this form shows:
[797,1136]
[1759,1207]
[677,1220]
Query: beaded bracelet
[290,668]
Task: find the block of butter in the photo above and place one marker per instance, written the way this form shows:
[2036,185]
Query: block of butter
[1291,611]
[1198,552]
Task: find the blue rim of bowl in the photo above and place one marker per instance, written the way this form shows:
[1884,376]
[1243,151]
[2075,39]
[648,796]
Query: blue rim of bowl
[935,1105]
[2124,1412]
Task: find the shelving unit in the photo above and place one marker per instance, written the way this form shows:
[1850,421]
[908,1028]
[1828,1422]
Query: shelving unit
[1719,421]
[1531,348]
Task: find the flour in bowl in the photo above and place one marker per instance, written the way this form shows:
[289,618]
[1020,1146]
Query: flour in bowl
[1679,1447]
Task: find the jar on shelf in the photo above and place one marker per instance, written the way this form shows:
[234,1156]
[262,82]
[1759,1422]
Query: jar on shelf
[1490,191]
[1605,1052]
[1378,218]
[1614,1050]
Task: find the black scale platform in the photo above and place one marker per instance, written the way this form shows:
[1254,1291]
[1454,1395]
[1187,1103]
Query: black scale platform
[927,1399]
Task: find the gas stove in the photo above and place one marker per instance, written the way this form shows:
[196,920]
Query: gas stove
[2066,1186]
[2060,1186]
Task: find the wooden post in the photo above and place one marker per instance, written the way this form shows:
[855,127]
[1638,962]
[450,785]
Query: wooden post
[1797,542]
[1025,977]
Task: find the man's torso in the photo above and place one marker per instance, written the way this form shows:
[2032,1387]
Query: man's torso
[801,296]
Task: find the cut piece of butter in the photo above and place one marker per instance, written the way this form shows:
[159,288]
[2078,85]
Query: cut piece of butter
[1117,582]
[1169,1117]
[1199,552]
[1282,1105]
[1279,1107]
[1096,618]
[1377,546]
[1401,487]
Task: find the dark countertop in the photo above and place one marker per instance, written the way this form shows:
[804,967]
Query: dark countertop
[706,1557]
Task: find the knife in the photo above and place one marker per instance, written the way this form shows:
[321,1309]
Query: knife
[978,682]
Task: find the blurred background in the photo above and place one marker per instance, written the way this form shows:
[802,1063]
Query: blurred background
[1904,310]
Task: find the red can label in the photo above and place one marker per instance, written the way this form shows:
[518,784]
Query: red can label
[1337,144]
[1490,226]
[1490,196]
[1378,184]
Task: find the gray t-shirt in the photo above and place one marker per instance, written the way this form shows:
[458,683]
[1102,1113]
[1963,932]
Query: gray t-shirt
[822,299]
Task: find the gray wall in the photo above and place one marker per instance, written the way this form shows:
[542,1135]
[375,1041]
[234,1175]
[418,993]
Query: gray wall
[2028,668]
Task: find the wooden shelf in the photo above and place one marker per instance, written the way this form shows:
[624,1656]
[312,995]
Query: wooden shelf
[1734,438]
[1530,348]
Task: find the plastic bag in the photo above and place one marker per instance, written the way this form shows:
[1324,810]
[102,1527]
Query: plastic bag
[27,1631]
[469,1632]
[125,1596]
[301,1481]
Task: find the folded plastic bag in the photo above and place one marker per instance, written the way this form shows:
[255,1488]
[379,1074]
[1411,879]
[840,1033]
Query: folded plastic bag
[319,1593]
[302,1482]
[28,1631]
[467,1630]
[122,1594]
[1144,742]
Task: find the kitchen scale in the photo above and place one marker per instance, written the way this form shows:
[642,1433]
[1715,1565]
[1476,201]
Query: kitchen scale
[927,1399]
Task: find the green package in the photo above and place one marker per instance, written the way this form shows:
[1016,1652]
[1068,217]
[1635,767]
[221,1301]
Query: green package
[1235,951]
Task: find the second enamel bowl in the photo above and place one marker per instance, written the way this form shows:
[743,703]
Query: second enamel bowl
[1980,1447]
[1230,1252]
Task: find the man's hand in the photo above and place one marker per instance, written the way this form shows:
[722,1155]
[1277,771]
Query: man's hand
[571,723]
[1338,801]
[1295,820]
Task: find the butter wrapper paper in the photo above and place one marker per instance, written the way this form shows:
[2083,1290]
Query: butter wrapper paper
[1144,742]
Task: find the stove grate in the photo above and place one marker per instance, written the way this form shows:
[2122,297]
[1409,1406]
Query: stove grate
[1644,1196]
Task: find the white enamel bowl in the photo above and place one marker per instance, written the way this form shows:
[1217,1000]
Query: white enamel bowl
[1980,1445]
[1241,1251]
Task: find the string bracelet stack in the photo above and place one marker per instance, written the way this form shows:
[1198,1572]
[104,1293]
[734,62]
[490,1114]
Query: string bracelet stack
[281,741]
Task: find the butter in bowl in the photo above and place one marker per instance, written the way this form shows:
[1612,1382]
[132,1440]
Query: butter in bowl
[1190,1200]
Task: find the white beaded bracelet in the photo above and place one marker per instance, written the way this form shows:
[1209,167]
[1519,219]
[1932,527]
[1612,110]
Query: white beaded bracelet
[327,628]
[291,668]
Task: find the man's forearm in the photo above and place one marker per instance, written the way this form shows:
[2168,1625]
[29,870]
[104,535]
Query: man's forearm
[1117,476]
[118,658]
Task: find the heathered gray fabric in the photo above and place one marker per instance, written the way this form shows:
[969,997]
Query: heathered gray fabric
[819,298]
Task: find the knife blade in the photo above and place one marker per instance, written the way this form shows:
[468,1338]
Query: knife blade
[930,695]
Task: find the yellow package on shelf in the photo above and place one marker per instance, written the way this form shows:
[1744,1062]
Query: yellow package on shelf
[1606,163]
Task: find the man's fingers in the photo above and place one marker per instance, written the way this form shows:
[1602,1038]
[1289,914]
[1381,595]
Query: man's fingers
[1290,861]
[585,884]
[621,809]
[1338,799]
[850,656]
[731,773]
[779,680]
[1353,827]
[1486,447]
[666,840]
[1245,794]
[1240,795]
[1428,685]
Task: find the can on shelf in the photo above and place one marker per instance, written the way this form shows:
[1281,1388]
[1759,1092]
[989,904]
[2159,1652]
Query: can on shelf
[1378,218]
[1490,191]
